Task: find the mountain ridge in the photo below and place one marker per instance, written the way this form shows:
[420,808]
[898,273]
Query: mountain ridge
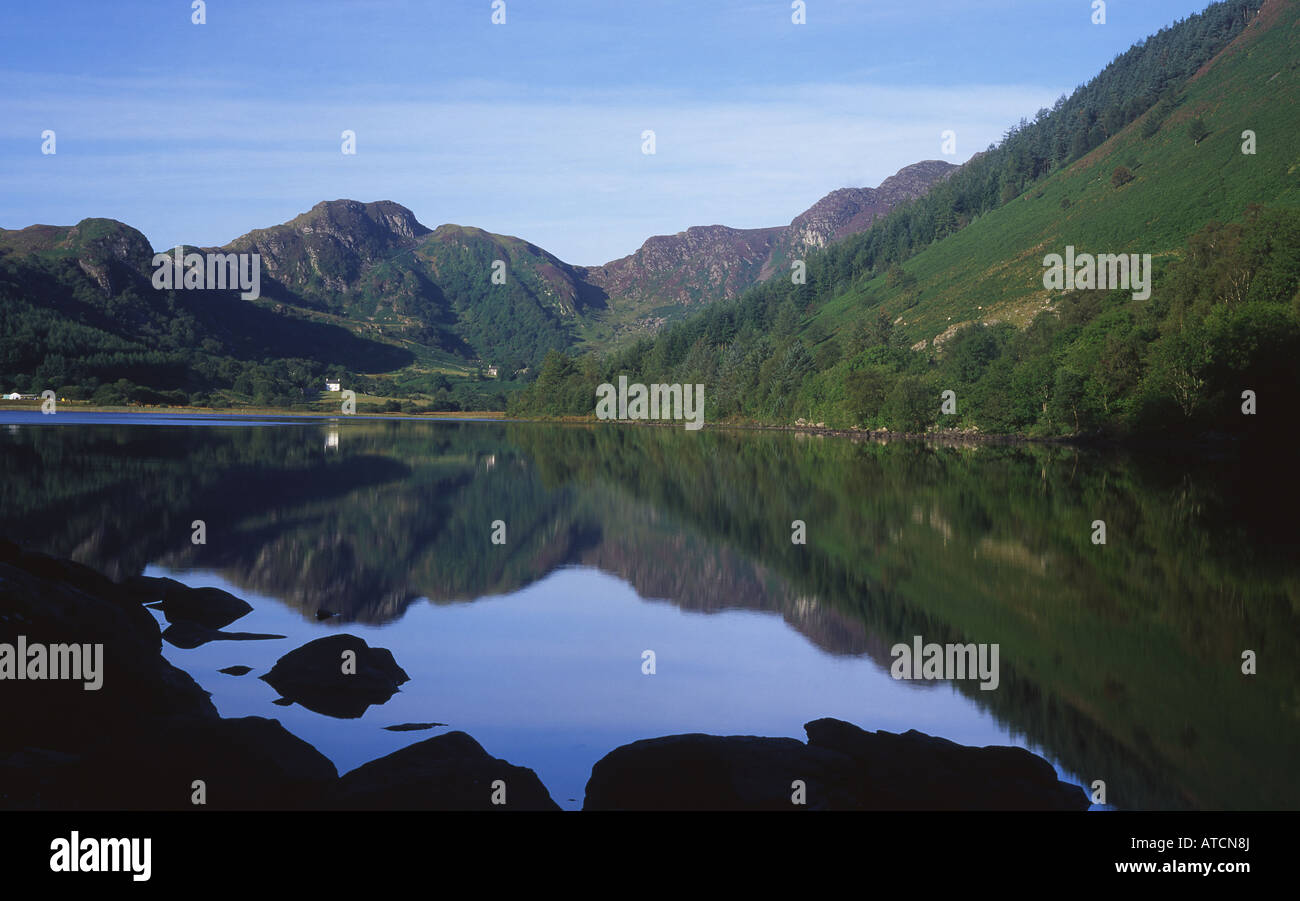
[372,268]
[710,262]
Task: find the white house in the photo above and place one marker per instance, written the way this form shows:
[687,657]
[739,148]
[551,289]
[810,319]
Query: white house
[14,396]
[331,385]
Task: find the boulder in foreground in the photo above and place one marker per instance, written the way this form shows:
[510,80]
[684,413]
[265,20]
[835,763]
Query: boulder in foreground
[447,772]
[841,767]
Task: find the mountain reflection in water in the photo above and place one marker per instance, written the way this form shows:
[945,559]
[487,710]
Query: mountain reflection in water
[1119,662]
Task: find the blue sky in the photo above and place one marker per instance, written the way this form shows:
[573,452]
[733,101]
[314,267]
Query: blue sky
[200,133]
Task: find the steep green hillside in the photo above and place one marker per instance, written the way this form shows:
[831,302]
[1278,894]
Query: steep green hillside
[535,307]
[995,272]
[1159,172]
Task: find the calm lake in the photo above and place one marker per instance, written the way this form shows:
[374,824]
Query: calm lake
[1119,662]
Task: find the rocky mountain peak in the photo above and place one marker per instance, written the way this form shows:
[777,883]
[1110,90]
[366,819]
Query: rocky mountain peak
[333,243]
[381,214]
[847,211]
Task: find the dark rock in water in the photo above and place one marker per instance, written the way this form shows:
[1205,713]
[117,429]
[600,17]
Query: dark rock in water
[447,772]
[37,779]
[142,737]
[236,670]
[951,776]
[412,727]
[49,602]
[77,576]
[150,590]
[314,676]
[706,772]
[249,763]
[187,635]
[324,614]
[842,768]
[67,572]
[282,702]
[209,607]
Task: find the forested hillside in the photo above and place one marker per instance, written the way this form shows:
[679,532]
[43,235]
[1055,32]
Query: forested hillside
[947,293]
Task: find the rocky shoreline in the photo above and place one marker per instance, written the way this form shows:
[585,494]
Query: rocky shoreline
[149,737]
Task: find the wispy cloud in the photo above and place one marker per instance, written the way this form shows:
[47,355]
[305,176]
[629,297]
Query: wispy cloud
[201,133]
[193,162]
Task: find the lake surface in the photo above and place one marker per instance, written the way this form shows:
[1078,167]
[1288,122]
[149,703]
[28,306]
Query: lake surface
[1119,662]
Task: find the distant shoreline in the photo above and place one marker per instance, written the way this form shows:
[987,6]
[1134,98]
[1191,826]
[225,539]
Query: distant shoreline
[951,438]
[948,438]
[253,411]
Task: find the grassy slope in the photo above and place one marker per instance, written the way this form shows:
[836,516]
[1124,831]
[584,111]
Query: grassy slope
[996,262]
